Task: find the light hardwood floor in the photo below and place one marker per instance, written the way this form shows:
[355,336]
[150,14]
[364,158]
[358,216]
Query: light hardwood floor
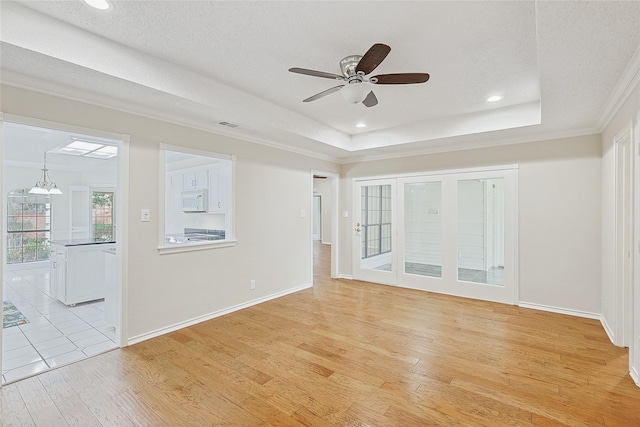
[347,353]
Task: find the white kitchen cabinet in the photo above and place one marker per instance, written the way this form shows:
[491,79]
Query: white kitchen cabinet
[78,271]
[56,269]
[218,190]
[195,180]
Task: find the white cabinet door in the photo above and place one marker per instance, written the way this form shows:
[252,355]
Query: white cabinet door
[218,190]
[57,271]
[196,180]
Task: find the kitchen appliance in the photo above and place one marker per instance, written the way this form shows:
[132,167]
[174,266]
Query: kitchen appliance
[194,201]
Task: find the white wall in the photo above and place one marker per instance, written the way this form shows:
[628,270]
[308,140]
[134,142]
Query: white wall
[272,187]
[559,206]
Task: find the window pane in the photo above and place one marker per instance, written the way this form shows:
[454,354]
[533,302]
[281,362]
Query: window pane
[423,228]
[14,248]
[29,247]
[28,226]
[102,215]
[481,231]
[14,223]
[376,227]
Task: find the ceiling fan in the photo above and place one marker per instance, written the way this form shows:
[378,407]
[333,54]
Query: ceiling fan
[354,69]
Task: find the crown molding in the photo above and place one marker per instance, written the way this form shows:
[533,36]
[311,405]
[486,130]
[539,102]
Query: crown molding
[21,81]
[488,142]
[623,90]
[440,145]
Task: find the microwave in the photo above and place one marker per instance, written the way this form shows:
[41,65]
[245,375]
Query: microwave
[194,201]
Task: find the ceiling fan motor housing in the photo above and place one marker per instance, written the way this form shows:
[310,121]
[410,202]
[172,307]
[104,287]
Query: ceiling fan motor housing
[348,65]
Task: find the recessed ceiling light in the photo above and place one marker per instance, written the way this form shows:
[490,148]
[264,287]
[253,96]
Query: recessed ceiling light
[494,98]
[361,125]
[100,4]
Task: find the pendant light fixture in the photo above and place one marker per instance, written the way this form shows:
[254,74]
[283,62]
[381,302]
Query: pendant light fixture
[45,186]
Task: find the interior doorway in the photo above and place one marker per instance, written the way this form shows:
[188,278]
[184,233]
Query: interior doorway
[49,316]
[324,223]
[317,218]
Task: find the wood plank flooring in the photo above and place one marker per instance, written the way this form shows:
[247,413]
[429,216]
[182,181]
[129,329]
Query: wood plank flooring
[347,353]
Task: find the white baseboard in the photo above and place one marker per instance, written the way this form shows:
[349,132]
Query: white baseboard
[345,276]
[325,243]
[571,312]
[635,376]
[176,326]
[560,310]
[608,330]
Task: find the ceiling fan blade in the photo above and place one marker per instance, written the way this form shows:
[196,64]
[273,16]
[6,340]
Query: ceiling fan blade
[315,73]
[370,100]
[323,93]
[374,56]
[399,79]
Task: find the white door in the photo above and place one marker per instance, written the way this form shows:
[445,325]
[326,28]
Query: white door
[452,233]
[373,231]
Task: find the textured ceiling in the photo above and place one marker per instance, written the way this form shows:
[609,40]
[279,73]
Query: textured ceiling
[557,65]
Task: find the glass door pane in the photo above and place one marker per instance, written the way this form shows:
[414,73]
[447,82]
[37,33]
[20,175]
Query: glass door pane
[481,217]
[373,239]
[423,229]
[376,227]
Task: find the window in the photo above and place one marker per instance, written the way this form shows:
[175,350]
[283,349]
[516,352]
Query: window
[28,227]
[198,200]
[102,215]
[376,220]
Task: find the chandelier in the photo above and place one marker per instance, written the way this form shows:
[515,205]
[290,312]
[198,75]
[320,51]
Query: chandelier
[45,186]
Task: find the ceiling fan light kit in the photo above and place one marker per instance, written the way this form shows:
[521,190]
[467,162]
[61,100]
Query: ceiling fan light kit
[355,92]
[354,68]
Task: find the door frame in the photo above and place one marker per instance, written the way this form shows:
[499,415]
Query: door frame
[634,344]
[623,218]
[334,179]
[317,215]
[122,207]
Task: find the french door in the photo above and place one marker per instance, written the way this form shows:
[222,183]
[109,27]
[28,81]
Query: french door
[452,233]
[374,216]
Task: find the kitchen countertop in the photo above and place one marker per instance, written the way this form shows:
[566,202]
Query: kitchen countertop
[79,242]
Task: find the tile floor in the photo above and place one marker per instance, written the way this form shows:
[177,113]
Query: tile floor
[56,334]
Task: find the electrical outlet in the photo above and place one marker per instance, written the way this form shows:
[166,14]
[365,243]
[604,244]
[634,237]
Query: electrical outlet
[252,285]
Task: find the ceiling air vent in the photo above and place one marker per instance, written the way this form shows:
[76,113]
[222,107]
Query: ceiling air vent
[229,124]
